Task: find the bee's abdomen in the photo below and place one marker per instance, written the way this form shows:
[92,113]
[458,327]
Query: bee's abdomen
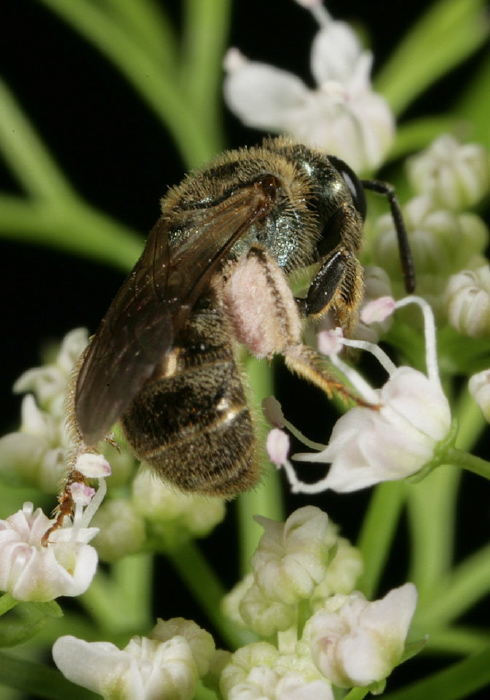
[192,424]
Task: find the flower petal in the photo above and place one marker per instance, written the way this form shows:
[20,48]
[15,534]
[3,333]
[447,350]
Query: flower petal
[334,53]
[263,96]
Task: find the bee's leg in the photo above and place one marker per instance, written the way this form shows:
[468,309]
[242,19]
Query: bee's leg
[337,286]
[310,365]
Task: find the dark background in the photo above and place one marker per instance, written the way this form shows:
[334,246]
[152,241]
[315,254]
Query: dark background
[116,154]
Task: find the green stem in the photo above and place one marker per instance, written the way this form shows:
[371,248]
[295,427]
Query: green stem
[36,680]
[454,683]
[134,578]
[454,640]
[26,155]
[207,589]
[465,460]
[406,76]
[266,498]
[147,22]
[378,530]
[118,602]
[206,29]
[432,510]
[452,596]
[470,420]
[72,226]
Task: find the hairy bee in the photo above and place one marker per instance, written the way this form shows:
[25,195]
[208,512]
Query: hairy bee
[215,271]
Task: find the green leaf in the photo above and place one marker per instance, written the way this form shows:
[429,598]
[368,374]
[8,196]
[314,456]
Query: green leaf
[413,648]
[25,621]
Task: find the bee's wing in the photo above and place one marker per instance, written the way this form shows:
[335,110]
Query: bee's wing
[154,302]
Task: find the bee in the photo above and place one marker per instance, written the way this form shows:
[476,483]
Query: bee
[215,273]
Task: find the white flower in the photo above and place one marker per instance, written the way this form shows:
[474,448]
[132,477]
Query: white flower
[30,570]
[264,616]
[200,642]
[38,451]
[165,665]
[479,386]
[467,301]
[343,570]
[368,445]
[354,642]
[48,383]
[402,431]
[455,175]
[342,116]
[292,557]
[145,669]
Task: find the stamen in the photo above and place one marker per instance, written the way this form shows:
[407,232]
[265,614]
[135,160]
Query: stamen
[94,504]
[429,333]
[375,350]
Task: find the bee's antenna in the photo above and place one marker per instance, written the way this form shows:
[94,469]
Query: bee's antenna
[406,258]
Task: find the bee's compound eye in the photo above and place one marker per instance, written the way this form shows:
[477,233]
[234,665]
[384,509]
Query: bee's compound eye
[353,183]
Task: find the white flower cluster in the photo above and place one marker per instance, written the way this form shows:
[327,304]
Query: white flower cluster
[404,430]
[301,593]
[37,452]
[343,116]
[301,561]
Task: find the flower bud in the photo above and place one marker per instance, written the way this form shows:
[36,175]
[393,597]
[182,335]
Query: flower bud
[259,671]
[467,301]
[200,642]
[479,386]
[292,557]
[48,383]
[264,616]
[442,241]
[174,515]
[122,530]
[456,176]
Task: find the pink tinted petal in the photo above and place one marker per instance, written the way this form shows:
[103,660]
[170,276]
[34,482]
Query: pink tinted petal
[378,310]
[277,446]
